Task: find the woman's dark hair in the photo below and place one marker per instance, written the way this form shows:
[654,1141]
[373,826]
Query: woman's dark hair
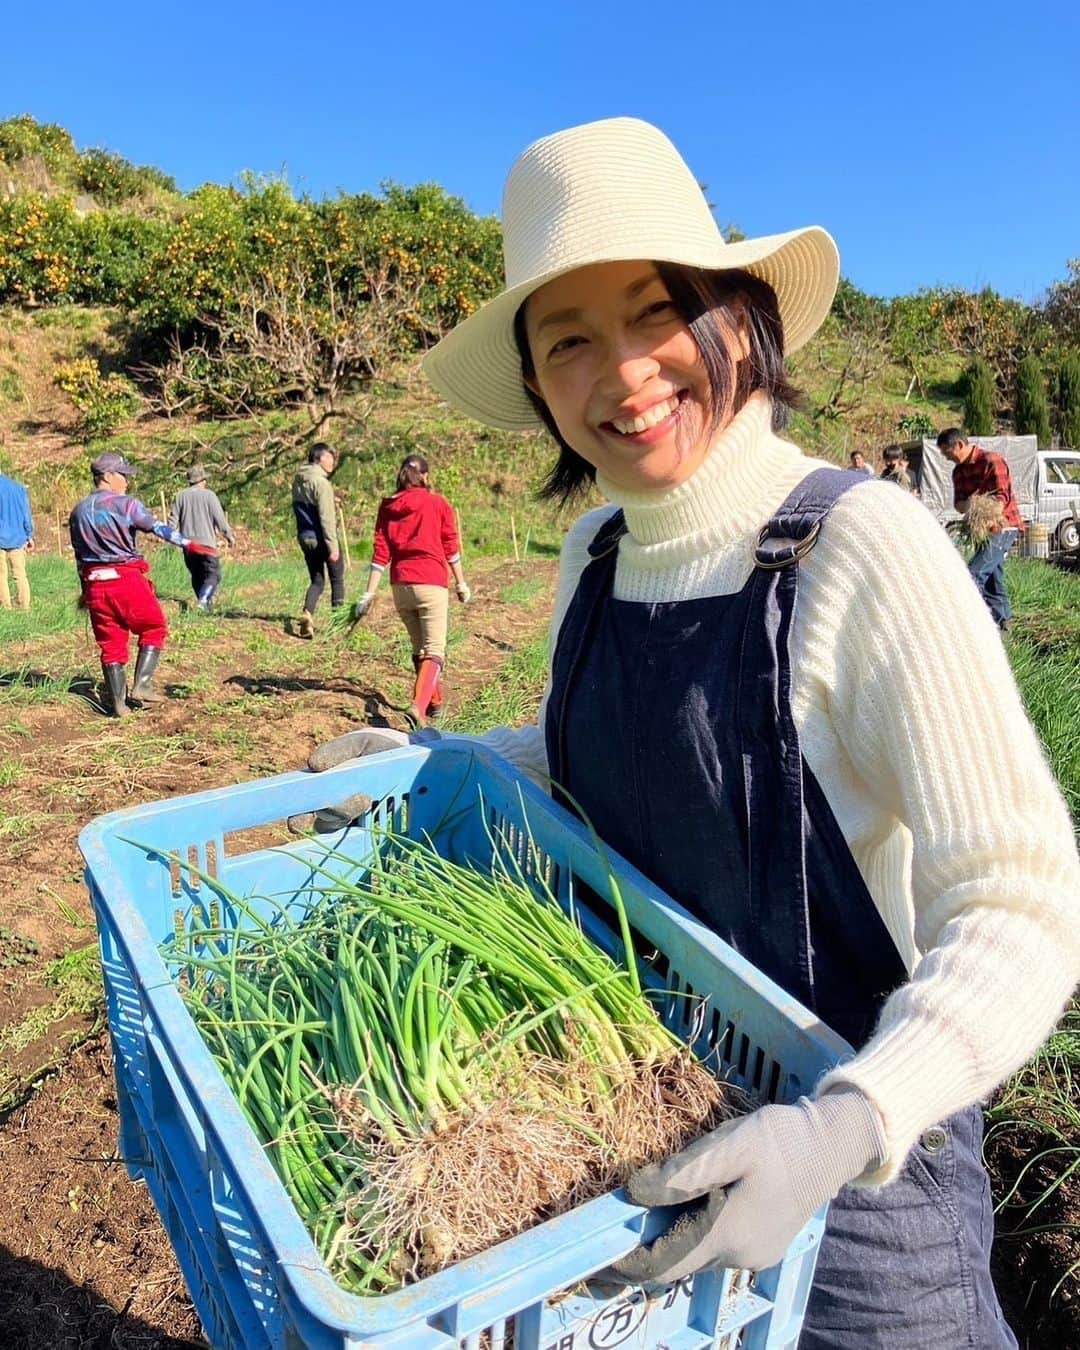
[413,471]
[319,449]
[709,302]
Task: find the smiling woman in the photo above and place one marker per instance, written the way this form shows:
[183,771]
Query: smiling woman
[742,705]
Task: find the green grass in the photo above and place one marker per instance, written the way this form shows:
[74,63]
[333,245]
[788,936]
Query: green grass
[1044,651]
[521,592]
[1039,1108]
[511,698]
[76,977]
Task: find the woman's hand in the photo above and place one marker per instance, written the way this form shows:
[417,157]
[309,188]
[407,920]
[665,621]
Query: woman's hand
[464,594]
[762,1177]
[353,745]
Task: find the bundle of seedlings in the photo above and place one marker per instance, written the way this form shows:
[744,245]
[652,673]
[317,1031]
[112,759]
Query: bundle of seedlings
[436,1057]
[983,516]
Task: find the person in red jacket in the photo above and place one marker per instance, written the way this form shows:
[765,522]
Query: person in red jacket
[415,533]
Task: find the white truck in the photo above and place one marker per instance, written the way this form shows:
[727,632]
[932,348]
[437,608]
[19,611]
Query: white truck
[1046,484]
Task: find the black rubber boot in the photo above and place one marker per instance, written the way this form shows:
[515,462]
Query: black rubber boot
[114,694]
[143,691]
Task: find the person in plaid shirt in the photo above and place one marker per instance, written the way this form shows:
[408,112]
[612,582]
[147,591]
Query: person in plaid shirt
[982,471]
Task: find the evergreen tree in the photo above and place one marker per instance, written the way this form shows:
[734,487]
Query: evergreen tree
[979,399]
[1032,415]
[1069,400]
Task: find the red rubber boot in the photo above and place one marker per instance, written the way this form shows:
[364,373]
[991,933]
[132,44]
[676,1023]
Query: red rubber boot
[427,681]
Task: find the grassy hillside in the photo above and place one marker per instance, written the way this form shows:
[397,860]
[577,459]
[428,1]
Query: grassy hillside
[491,476]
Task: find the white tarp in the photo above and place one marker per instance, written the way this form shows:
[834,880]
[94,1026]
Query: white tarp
[1019,452]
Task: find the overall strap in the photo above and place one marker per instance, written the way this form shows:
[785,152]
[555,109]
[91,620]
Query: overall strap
[784,804]
[794,527]
[594,586]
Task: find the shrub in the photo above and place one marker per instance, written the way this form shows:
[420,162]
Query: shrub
[24,137]
[102,401]
[40,250]
[114,256]
[1032,408]
[915,426]
[978,382]
[111,179]
[1069,400]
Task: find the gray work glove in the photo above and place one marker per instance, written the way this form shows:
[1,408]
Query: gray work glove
[763,1175]
[464,593]
[354,745]
[361,607]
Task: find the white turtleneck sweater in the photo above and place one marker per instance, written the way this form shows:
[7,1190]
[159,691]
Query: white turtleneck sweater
[911,721]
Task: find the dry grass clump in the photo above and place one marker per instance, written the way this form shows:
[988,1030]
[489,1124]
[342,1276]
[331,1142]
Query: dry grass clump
[494,1170]
[983,516]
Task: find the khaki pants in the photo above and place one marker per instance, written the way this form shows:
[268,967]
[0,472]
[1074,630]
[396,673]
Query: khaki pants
[17,557]
[423,612]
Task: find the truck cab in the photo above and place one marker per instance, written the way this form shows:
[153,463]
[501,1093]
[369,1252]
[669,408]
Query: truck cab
[1058,502]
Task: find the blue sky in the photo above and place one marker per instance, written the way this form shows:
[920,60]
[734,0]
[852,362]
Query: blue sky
[939,143]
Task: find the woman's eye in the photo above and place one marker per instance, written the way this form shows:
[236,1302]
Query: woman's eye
[564,345]
[656,308]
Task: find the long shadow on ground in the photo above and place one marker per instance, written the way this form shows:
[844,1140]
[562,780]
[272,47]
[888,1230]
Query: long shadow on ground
[41,1309]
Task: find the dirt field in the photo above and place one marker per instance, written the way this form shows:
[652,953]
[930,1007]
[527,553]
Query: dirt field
[84,1261]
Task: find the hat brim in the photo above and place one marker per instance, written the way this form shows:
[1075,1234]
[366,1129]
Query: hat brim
[477,368]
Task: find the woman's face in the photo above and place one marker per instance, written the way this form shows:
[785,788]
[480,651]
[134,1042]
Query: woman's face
[621,374]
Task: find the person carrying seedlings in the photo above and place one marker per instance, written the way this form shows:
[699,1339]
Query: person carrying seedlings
[16,541]
[198,514]
[717,627]
[316,532]
[978,472]
[416,534]
[116,588]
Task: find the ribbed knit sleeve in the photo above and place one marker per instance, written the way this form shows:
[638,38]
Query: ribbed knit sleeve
[918,691]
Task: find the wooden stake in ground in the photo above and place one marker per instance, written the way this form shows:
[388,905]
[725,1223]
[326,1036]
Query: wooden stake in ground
[344,539]
[513,536]
[164,508]
[59,536]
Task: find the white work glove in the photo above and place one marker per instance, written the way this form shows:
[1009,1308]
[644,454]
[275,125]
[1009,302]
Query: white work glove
[763,1175]
[361,607]
[354,745]
[463,592]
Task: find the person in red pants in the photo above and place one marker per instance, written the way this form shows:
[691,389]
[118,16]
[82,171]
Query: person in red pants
[116,588]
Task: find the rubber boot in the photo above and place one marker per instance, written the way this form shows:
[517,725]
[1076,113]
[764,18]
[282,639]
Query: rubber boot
[306,628]
[434,708]
[114,694]
[143,691]
[427,679]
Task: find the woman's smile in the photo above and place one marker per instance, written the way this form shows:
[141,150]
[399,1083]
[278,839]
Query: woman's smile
[650,425]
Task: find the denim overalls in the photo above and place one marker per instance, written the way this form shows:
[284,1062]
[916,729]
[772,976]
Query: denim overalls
[671,726]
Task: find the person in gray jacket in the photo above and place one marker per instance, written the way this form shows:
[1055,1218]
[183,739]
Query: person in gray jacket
[316,531]
[198,514]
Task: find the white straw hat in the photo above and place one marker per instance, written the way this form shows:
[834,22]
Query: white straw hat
[611,191]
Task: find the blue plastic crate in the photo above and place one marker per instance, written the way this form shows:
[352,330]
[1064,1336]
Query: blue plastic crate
[254,1274]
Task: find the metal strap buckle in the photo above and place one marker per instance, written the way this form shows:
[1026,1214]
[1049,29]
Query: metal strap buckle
[799,549]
